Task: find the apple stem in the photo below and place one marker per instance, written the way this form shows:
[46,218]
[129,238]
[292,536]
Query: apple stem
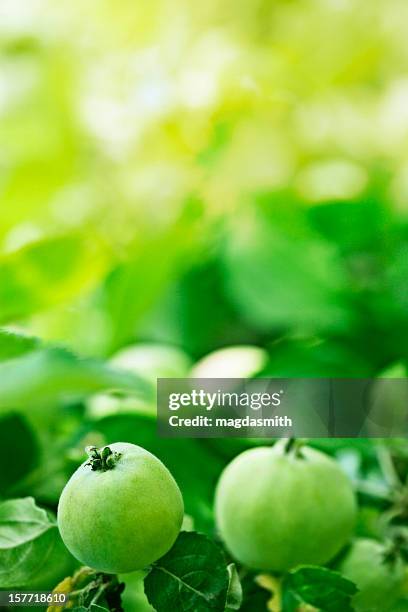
[290,445]
[293,447]
[396,549]
[102,459]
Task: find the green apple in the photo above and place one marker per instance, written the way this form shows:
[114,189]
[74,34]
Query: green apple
[379,580]
[121,510]
[277,508]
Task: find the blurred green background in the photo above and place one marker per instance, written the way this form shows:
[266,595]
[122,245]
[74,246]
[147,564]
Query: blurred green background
[182,177]
[206,175]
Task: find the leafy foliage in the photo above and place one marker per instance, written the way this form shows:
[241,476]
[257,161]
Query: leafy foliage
[28,537]
[22,457]
[234,593]
[91,592]
[317,587]
[192,576]
[270,271]
[14,345]
[30,279]
[50,375]
[254,596]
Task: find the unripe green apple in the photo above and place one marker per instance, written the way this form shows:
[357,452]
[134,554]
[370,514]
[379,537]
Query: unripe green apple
[240,361]
[379,580]
[121,510]
[277,508]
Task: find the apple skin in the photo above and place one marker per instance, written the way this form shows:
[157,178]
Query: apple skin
[380,584]
[122,519]
[276,509]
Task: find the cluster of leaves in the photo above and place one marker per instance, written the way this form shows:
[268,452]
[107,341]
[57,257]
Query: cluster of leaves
[193,575]
[43,438]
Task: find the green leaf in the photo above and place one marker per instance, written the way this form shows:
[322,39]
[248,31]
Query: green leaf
[356,227]
[192,576]
[15,345]
[49,375]
[135,285]
[180,318]
[284,279]
[92,591]
[19,445]
[308,357]
[46,273]
[318,587]
[234,593]
[254,596]
[401,606]
[28,536]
